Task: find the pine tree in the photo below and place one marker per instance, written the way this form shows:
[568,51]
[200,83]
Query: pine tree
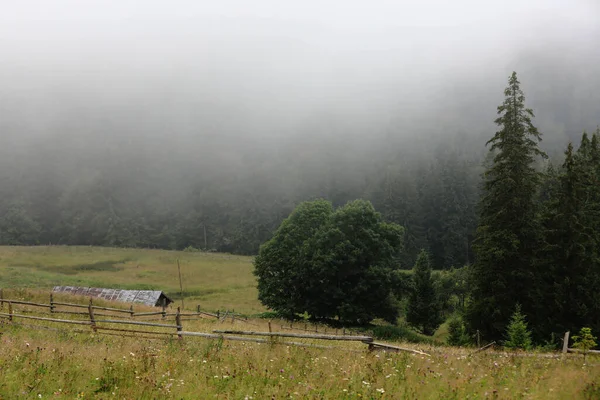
[569,273]
[518,335]
[423,309]
[507,235]
[585,341]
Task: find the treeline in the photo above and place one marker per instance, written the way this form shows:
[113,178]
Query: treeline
[197,172]
[232,199]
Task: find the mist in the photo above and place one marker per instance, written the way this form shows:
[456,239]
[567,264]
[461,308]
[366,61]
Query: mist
[225,115]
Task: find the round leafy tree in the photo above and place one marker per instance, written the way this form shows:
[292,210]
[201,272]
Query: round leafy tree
[331,263]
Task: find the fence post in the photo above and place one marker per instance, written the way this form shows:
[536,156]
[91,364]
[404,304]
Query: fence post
[198,308]
[178,323]
[91,312]
[164,308]
[131,311]
[270,327]
[51,303]
[10,311]
[565,348]
[1,300]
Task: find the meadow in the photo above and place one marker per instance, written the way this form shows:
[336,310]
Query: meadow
[52,362]
[40,359]
[215,281]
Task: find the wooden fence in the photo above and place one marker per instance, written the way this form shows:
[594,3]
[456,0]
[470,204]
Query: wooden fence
[114,312]
[106,326]
[567,349]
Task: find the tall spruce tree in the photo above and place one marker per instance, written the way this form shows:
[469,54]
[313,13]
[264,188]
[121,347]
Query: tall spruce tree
[508,231]
[423,308]
[569,294]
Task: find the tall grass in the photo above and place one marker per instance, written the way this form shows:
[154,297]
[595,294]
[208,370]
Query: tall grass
[48,364]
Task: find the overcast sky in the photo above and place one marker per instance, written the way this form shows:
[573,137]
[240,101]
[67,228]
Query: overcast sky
[276,58]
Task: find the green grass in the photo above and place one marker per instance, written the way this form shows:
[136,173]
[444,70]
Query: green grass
[215,281]
[42,359]
[49,364]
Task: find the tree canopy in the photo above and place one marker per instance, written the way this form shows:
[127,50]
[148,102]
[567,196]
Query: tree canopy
[331,263]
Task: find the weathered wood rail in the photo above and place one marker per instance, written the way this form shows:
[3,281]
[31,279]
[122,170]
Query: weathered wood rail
[298,335]
[117,312]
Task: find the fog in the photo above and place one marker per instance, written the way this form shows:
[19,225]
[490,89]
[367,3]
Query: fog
[166,96]
[269,64]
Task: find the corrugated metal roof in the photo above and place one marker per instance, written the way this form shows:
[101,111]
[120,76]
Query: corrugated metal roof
[147,297]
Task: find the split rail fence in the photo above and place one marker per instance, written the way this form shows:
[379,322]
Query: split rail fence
[98,324]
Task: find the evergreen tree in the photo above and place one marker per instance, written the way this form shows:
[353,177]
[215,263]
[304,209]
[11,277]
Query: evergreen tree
[569,273]
[457,334]
[518,335]
[423,308]
[507,235]
[585,341]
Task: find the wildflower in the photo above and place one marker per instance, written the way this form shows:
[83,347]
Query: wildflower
[387,376]
[365,383]
[380,390]
[344,390]
[131,354]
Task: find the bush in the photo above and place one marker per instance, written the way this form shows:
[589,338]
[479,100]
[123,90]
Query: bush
[457,334]
[191,249]
[397,333]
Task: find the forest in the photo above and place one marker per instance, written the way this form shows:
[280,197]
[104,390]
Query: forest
[228,193]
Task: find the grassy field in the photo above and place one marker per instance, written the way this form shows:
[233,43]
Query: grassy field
[41,360]
[215,281]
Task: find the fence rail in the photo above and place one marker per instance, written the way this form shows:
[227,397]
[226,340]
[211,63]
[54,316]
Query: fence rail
[106,326]
[52,305]
[299,335]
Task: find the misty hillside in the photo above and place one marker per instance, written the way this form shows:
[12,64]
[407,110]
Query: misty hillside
[157,128]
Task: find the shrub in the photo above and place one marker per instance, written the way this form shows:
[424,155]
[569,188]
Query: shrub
[394,332]
[457,334]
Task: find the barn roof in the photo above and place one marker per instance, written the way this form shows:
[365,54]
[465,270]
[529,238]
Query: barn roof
[147,297]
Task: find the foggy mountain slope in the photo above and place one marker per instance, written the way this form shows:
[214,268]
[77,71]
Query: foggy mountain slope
[146,126]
